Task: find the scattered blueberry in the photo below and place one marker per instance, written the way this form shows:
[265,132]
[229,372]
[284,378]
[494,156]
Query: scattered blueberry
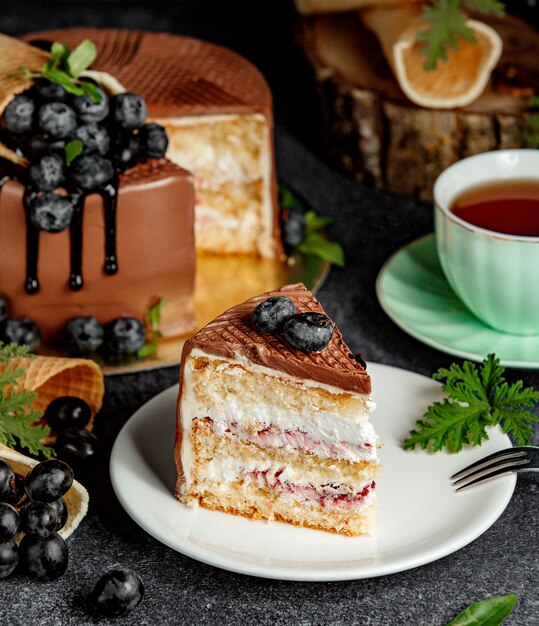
[76,446]
[293,226]
[9,558]
[21,330]
[57,119]
[84,334]
[9,522]
[43,558]
[89,111]
[154,140]
[308,332]
[39,519]
[125,335]
[359,358]
[67,412]
[49,91]
[48,172]
[48,481]
[91,171]
[3,310]
[118,592]
[270,315]
[18,116]
[7,480]
[125,150]
[61,512]
[51,212]
[94,137]
[128,110]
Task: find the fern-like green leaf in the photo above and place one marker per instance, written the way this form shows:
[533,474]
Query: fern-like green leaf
[477,397]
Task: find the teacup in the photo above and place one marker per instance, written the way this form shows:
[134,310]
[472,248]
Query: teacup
[495,274]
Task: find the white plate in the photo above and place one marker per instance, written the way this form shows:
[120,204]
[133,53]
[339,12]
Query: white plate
[421,518]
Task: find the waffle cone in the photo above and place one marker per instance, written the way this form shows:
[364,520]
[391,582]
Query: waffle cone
[76,498]
[15,53]
[53,377]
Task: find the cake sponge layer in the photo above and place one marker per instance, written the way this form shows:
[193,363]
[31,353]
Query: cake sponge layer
[250,500]
[240,477]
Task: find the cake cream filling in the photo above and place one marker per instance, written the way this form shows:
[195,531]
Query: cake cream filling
[349,439]
[225,167]
[307,487]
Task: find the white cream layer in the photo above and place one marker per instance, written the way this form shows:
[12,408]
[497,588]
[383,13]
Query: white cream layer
[328,427]
[225,167]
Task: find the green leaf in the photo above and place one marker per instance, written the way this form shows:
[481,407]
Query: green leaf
[81,58]
[477,397]
[287,198]
[148,349]
[92,90]
[18,420]
[317,222]
[64,79]
[59,52]
[72,150]
[153,321]
[490,612]
[319,246]
[446,24]
[154,314]
[27,73]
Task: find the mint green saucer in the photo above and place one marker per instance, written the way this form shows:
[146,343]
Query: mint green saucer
[412,290]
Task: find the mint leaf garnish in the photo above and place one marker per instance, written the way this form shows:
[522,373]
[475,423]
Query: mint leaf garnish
[153,320]
[65,67]
[490,612]
[17,417]
[447,23]
[316,244]
[81,58]
[477,397]
[317,222]
[72,150]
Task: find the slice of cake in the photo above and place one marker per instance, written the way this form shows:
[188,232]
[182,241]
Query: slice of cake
[217,110]
[270,431]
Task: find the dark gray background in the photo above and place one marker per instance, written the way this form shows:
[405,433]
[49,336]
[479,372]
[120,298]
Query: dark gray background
[371,225]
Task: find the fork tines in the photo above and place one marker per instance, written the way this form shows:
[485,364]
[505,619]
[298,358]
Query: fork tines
[490,466]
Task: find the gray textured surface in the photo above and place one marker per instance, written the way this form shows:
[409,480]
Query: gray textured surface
[371,225]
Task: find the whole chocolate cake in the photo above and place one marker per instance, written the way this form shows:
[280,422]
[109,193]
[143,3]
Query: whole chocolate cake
[96,226]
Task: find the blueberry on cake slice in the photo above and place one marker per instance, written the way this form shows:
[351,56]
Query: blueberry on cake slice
[273,418]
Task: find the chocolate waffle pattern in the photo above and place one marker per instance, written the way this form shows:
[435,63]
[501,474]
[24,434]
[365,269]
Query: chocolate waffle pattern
[180,73]
[232,335]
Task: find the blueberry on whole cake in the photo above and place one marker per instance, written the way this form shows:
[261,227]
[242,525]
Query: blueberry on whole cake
[273,418]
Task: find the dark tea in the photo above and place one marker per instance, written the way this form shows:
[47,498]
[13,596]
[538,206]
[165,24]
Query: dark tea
[510,206]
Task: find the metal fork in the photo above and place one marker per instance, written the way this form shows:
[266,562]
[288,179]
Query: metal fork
[522,459]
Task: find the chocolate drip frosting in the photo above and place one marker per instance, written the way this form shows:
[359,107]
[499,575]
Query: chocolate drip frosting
[232,335]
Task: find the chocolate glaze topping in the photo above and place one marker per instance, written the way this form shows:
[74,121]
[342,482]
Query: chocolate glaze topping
[175,75]
[109,193]
[232,335]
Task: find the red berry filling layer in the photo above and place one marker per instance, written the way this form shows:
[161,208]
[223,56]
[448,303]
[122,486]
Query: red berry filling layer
[329,495]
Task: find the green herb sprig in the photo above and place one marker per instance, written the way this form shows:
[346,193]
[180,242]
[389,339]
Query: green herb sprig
[18,419]
[72,150]
[489,612]
[65,67]
[446,23]
[477,397]
[153,320]
[315,242]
